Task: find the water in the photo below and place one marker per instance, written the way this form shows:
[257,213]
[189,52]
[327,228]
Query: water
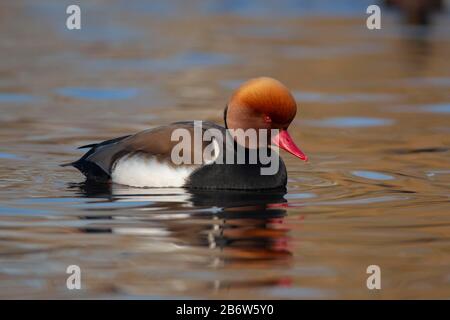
[373,119]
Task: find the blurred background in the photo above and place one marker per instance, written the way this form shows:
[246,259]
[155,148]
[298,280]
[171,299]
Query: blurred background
[373,117]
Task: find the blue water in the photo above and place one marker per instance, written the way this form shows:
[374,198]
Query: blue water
[10,156]
[437,108]
[372,175]
[352,122]
[322,97]
[6,97]
[99,93]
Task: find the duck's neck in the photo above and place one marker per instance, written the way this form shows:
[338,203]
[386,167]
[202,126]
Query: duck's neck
[225,116]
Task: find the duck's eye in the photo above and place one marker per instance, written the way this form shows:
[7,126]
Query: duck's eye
[267,119]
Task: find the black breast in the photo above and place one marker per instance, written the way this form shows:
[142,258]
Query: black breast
[236,177]
[239,176]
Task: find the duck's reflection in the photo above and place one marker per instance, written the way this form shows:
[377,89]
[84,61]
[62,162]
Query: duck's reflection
[241,227]
[228,230]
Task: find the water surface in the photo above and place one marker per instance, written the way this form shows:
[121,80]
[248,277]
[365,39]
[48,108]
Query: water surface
[373,120]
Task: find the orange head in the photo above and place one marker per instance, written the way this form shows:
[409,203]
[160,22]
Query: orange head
[264,103]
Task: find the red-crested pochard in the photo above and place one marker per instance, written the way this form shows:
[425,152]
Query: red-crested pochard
[145,159]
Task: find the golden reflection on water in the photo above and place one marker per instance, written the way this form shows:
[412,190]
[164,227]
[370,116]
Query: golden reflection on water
[374,120]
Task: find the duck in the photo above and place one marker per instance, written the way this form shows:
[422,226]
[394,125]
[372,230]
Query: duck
[419,12]
[146,159]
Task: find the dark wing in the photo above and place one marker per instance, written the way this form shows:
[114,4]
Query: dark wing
[97,163]
[93,145]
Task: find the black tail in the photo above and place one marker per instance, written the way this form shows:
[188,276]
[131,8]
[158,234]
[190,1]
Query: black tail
[67,164]
[91,170]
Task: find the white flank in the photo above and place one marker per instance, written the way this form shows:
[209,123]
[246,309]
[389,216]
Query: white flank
[140,171]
